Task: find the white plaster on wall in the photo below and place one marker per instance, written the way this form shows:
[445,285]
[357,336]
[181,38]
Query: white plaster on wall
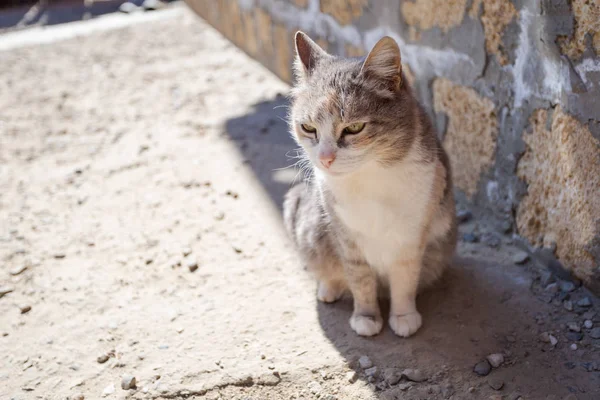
[586,66]
[416,56]
[555,71]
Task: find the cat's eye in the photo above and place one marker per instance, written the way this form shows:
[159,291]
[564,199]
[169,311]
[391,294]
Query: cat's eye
[308,128]
[354,128]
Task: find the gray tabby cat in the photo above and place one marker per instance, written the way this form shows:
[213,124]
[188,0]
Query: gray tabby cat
[379,208]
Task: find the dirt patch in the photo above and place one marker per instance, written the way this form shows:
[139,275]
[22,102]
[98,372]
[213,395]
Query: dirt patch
[128,157]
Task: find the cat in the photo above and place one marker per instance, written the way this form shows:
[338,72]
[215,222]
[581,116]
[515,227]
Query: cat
[378,210]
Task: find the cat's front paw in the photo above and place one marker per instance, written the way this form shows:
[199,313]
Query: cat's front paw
[328,292]
[407,324]
[366,325]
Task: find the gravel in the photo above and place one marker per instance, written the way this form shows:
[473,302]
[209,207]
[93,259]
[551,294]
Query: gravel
[496,383]
[392,376]
[365,362]
[495,360]
[18,270]
[482,368]
[371,371]
[4,290]
[520,257]
[574,326]
[102,359]
[595,333]
[469,238]
[588,324]
[490,239]
[25,309]
[414,375]
[566,286]
[128,382]
[463,216]
[574,336]
[548,338]
[192,264]
[352,376]
[314,387]
[568,305]
[584,302]
[110,389]
[127,8]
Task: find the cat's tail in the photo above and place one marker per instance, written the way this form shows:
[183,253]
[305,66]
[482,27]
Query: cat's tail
[291,206]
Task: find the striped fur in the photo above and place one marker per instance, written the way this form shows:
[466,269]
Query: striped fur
[382,213]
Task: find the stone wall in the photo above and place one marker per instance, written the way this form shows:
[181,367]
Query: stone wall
[513,87]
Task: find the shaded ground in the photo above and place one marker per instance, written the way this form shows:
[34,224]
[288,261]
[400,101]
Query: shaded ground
[126,149]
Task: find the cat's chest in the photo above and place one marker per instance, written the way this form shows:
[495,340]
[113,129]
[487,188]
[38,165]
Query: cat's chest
[385,211]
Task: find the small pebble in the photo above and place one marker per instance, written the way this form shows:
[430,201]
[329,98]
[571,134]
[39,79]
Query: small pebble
[392,376]
[573,346]
[371,371]
[574,326]
[463,216]
[595,333]
[59,256]
[4,290]
[352,376]
[18,270]
[365,362]
[552,288]
[25,309]
[520,257]
[585,302]
[469,238]
[574,336]
[511,339]
[568,305]
[151,5]
[192,265]
[102,359]
[548,338]
[127,8]
[490,239]
[447,391]
[482,368]
[186,251]
[314,387]
[547,278]
[566,286]
[110,389]
[78,397]
[588,324]
[414,375]
[495,360]
[128,382]
[405,386]
[495,383]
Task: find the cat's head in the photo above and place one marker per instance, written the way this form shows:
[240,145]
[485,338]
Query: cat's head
[350,112]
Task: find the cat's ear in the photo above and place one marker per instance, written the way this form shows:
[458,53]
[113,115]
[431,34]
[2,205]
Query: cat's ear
[308,55]
[383,63]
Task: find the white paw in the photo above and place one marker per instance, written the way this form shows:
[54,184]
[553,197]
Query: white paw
[366,325]
[407,324]
[328,293]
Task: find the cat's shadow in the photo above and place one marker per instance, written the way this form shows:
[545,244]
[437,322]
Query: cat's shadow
[483,305]
[263,139]
[477,309]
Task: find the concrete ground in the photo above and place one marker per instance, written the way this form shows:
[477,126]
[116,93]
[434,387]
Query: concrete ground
[142,168]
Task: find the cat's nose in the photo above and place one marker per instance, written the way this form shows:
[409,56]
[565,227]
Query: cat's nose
[327,158]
